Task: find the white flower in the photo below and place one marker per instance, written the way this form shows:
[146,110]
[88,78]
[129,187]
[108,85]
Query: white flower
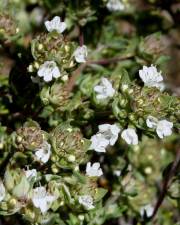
[130,136]
[2,191]
[107,135]
[31,173]
[115,5]
[86,201]
[42,199]
[43,154]
[99,143]
[110,132]
[55,24]
[80,54]
[94,170]
[48,71]
[151,121]
[148,209]
[104,90]
[151,77]
[164,128]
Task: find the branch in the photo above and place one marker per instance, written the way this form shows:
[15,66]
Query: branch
[81,37]
[71,83]
[111,60]
[166,183]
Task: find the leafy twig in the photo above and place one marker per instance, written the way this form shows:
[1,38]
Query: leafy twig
[77,72]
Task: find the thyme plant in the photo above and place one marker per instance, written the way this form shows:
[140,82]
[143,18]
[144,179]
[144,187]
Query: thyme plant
[89,126]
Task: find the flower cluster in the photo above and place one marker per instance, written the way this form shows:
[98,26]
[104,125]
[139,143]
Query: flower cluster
[52,69]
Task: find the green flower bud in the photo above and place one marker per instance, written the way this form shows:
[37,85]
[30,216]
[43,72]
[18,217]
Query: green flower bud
[173,190]
[118,106]
[30,136]
[53,47]
[17,183]
[151,101]
[56,95]
[69,146]
[152,46]
[7,26]
[12,202]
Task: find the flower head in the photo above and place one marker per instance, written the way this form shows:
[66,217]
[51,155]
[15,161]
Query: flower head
[115,5]
[151,121]
[110,132]
[130,136]
[43,154]
[80,54]
[94,170]
[151,77]
[104,90]
[86,201]
[2,191]
[55,24]
[48,71]
[164,128]
[99,143]
[42,199]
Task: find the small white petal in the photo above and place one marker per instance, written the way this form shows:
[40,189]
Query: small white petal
[48,71]
[86,201]
[55,72]
[148,209]
[151,77]
[2,191]
[43,154]
[104,90]
[48,77]
[117,173]
[161,86]
[99,143]
[94,170]
[130,136]
[41,71]
[164,128]
[115,5]
[110,132]
[55,24]
[151,122]
[41,199]
[80,54]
